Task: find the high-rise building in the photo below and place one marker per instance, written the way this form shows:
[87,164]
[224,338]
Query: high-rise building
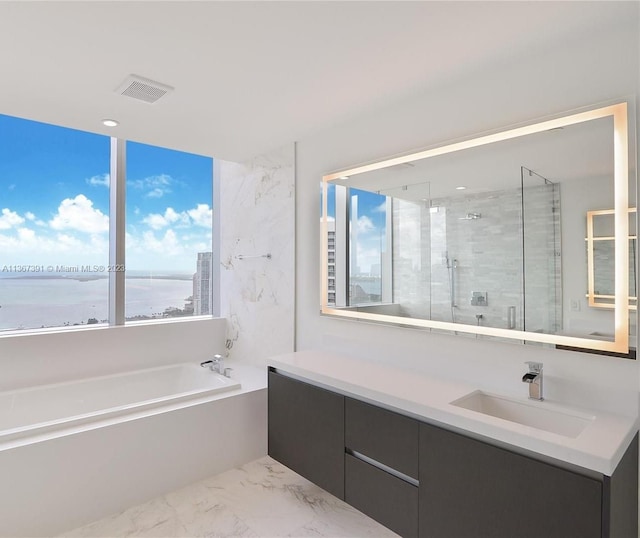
[331,263]
[202,285]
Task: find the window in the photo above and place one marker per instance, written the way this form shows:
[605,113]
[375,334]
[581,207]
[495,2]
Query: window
[168,244]
[54,229]
[54,225]
[358,224]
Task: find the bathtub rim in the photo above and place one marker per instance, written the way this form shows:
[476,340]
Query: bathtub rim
[250,379]
[102,376]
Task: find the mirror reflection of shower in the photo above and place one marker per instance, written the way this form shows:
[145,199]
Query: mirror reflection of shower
[541,308]
[452,265]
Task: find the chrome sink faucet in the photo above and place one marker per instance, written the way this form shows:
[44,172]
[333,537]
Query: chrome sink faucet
[534,378]
[216,365]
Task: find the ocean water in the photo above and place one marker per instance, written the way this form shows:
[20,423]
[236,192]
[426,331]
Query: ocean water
[30,303]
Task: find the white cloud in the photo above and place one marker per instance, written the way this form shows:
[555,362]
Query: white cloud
[156,193]
[9,219]
[171,216]
[368,255]
[26,235]
[202,246]
[202,215]
[75,235]
[365,225]
[155,221]
[100,180]
[79,214]
[167,244]
[157,186]
[382,208]
[167,248]
[27,246]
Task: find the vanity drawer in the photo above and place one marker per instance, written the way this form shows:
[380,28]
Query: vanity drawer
[387,499]
[503,494]
[384,436]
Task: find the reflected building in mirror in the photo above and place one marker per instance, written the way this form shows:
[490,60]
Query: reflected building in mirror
[331,262]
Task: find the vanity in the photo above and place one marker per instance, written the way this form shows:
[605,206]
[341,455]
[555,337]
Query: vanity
[434,458]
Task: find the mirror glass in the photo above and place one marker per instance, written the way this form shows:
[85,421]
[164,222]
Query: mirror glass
[487,236]
[600,255]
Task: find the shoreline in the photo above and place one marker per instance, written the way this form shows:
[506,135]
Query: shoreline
[90,278]
[32,302]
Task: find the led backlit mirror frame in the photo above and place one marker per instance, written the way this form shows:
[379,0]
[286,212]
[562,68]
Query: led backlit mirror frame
[620,344]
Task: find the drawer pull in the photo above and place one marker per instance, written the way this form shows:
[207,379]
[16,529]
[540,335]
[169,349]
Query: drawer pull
[383,467]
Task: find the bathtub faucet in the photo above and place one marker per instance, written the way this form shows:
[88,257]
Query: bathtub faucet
[216,365]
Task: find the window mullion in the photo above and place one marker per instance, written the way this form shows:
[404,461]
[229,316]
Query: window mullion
[117,189]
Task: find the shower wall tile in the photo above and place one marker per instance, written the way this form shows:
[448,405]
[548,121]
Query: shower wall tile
[257,218]
[411,259]
[481,235]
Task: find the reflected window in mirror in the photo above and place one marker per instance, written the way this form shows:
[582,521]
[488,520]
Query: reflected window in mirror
[600,259]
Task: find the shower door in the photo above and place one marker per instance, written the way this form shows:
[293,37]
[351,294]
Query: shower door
[542,272]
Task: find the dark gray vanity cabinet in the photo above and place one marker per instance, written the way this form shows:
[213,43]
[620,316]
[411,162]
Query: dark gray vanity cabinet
[306,431]
[382,435]
[422,480]
[469,488]
[381,465]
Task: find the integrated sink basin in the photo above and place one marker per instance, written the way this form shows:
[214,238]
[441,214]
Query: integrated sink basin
[540,415]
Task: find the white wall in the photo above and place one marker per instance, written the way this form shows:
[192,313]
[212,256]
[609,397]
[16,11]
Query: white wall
[582,73]
[49,357]
[257,208]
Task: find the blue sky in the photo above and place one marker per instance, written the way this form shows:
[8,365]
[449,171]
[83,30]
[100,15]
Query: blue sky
[54,200]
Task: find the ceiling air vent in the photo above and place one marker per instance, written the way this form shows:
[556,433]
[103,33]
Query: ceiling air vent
[143,89]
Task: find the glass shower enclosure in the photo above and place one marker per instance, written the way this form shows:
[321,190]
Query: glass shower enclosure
[487,258]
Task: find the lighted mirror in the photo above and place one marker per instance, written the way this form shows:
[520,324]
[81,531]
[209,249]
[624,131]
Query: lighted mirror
[487,236]
[600,256]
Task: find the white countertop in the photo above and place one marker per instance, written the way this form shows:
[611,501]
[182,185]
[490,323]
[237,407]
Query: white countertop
[599,447]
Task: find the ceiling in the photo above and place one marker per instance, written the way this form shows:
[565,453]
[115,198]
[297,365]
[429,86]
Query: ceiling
[252,76]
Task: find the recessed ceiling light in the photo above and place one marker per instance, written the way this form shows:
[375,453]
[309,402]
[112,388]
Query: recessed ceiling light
[110,123]
[461,188]
[344,177]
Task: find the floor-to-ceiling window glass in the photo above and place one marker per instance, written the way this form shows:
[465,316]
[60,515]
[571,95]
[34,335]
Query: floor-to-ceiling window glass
[168,242]
[54,226]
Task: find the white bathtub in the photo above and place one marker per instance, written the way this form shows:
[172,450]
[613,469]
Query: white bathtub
[79,451]
[36,410]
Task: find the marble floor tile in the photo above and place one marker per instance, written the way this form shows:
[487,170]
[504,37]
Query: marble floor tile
[262,499]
